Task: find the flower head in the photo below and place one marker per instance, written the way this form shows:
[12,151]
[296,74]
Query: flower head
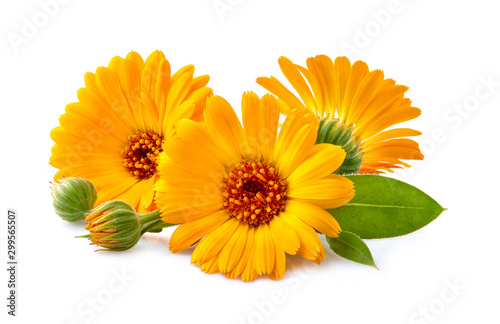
[357,103]
[250,194]
[113,135]
[73,198]
[114,225]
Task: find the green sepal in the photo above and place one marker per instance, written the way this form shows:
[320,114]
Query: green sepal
[335,132]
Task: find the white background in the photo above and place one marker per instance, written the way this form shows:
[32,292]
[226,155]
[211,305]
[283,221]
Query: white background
[441,49]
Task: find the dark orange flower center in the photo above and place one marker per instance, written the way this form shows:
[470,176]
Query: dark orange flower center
[253,192]
[139,156]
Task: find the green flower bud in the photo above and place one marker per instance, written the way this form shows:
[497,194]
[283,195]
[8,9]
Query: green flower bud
[73,198]
[114,225]
[334,131]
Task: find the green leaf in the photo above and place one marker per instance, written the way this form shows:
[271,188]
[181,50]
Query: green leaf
[385,207]
[350,246]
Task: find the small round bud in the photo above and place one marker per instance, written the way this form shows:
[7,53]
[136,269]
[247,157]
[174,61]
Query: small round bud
[73,198]
[114,225]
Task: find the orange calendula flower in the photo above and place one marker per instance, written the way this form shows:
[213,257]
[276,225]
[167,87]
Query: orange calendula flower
[356,106]
[113,135]
[249,194]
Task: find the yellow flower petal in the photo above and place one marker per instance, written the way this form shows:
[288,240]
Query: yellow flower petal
[279,266]
[295,141]
[260,119]
[263,258]
[314,216]
[321,67]
[389,134]
[323,159]
[310,244]
[284,235]
[245,256]
[155,77]
[333,190]
[179,87]
[210,246]
[225,129]
[231,253]
[187,234]
[293,75]
[274,86]
[180,149]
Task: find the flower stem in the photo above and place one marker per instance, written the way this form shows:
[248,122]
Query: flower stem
[155,226]
[151,222]
[149,217]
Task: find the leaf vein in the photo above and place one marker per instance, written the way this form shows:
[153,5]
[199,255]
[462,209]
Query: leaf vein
[383,206]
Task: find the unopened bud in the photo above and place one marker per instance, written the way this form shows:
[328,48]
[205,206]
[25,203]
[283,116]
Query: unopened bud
[73,198]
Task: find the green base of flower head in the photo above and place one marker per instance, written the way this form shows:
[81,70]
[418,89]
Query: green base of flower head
[333,131]
[116,226]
